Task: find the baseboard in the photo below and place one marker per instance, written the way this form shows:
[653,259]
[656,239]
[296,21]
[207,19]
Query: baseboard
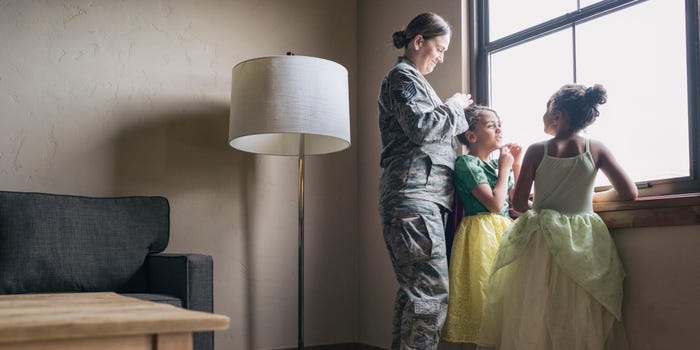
[344,346]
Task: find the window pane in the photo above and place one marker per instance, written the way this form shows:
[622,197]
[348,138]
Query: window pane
[643,67]
[522,80]
[508,16]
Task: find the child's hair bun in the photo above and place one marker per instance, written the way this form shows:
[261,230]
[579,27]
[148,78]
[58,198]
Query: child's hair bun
[579,103]
[596,95]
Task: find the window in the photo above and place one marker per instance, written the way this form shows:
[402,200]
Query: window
[644,52]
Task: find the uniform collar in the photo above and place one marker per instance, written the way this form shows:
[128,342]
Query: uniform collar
[403,59]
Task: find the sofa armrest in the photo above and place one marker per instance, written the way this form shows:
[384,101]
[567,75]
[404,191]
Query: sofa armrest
[189,277]
[186,276]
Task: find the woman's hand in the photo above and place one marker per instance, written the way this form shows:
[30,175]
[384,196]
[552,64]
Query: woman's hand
[464,100]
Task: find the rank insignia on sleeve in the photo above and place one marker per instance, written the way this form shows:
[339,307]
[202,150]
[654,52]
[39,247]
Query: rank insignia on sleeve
[407,92]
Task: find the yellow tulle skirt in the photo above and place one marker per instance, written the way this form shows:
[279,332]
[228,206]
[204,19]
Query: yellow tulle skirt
[473,252]
[556,284]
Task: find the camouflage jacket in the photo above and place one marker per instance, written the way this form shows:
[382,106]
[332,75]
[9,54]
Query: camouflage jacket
[417,132]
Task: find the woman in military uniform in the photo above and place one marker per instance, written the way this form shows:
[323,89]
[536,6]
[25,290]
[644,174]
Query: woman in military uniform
[418,155]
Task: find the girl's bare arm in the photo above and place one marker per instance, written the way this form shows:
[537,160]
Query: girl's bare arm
[523,186]
[624,188]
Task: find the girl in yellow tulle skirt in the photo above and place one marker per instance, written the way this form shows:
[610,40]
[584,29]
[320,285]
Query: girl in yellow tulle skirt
[482,186]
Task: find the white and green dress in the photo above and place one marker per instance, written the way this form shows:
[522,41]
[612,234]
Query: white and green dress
[557,279]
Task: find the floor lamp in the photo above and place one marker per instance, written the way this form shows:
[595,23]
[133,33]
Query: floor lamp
[291,106]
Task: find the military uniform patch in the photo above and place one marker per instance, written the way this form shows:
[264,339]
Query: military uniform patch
[427,307]
[407,92]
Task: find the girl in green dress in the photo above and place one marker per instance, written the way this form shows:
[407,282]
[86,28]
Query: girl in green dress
[483,187]
[557,279]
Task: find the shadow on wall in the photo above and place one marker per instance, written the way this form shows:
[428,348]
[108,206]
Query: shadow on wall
[177,149]
[181,150]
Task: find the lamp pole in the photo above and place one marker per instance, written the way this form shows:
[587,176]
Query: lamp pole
[300,320]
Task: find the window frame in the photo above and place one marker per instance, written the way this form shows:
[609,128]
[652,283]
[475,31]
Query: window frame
[481,48]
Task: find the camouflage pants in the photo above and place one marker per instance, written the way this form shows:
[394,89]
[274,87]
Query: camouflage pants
[415,238]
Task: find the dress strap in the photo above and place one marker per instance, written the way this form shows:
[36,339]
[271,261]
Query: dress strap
[588,148]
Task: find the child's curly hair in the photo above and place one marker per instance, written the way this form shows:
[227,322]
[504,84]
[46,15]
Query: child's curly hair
[473,114]
[579,103]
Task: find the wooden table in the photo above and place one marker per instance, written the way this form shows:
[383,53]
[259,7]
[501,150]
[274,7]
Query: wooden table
[102,321]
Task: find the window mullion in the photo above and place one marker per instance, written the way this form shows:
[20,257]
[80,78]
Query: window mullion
[573,51]
[479,83]
[692,57]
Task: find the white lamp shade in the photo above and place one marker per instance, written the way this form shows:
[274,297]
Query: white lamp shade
[277,100]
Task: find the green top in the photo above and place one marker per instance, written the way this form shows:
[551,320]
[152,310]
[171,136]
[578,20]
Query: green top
[565,184]
[471,171]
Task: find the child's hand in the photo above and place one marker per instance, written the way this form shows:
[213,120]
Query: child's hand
[505,158]
[516,151]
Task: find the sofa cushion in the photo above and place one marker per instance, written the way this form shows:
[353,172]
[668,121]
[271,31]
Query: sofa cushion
[62,243]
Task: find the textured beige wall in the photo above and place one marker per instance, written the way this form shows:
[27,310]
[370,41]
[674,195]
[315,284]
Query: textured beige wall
[111,98]
[662,286]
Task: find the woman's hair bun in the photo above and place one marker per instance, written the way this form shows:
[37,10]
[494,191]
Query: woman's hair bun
[399,39]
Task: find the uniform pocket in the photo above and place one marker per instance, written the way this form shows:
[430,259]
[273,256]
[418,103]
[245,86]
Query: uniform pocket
[440,180]
[417,234]
[418,172]
[412,241]
[425,325]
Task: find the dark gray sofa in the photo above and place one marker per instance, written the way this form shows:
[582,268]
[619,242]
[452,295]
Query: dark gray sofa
[53,243]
